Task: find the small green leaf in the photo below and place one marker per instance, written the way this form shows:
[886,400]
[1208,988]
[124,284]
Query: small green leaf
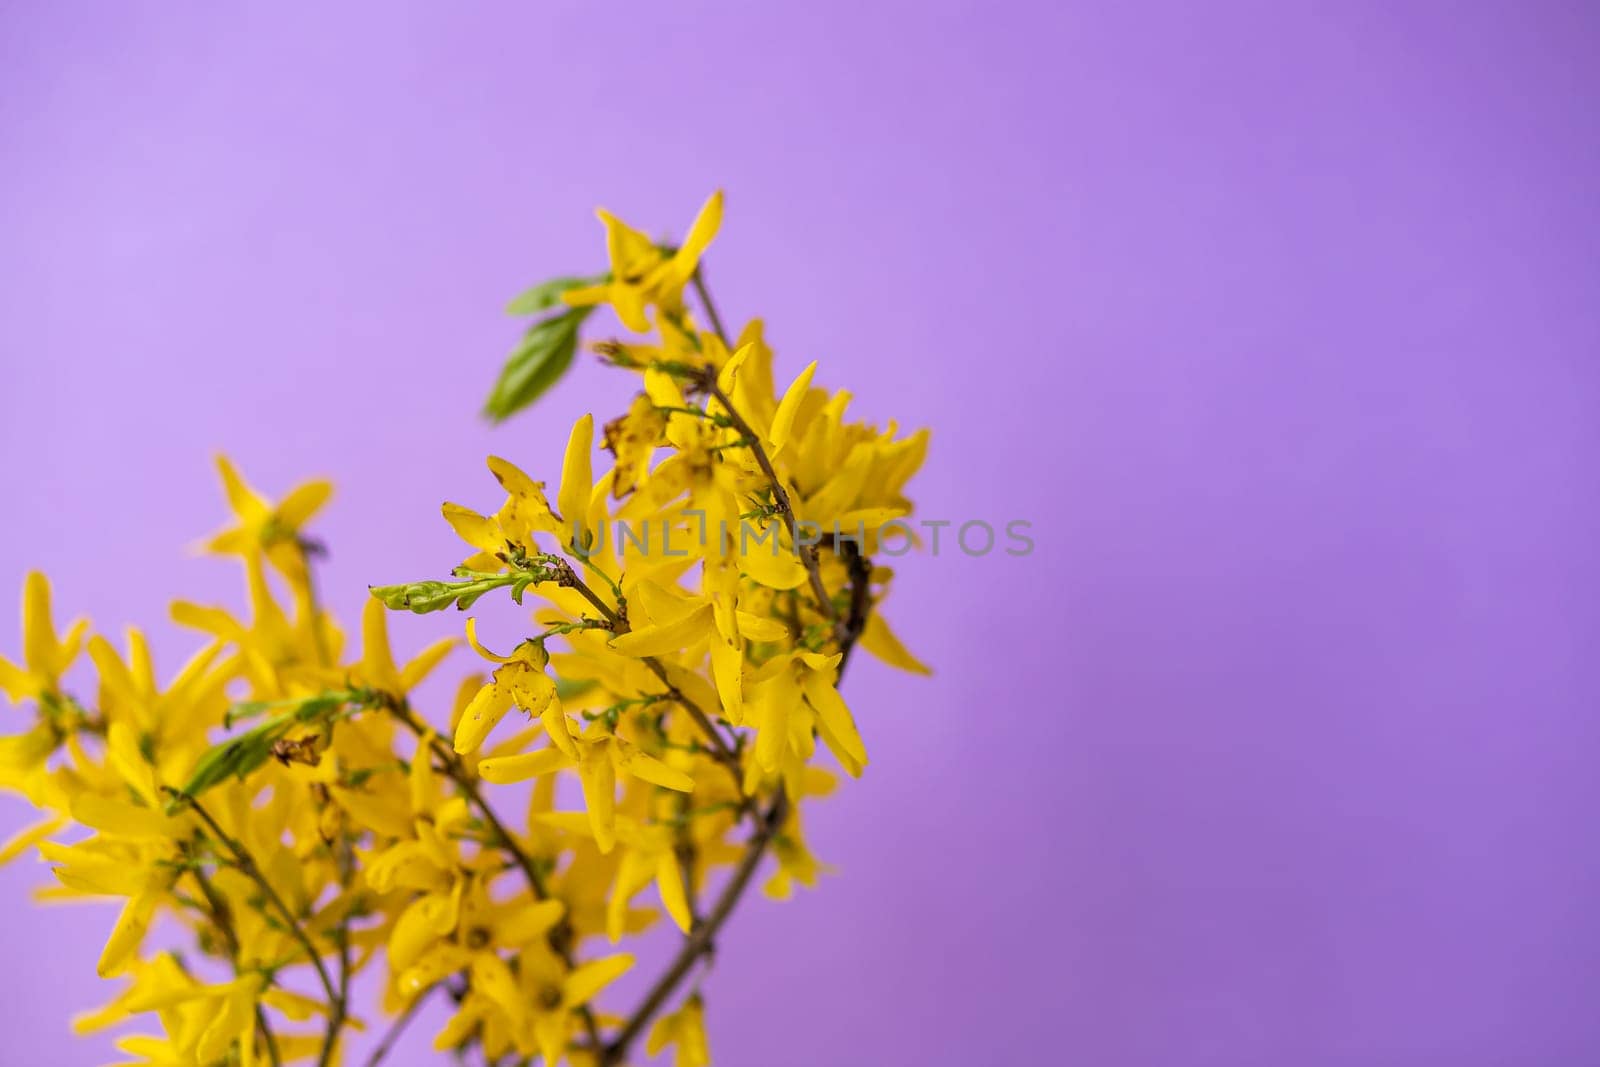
[537,363]
[238,756]
[570,688]
[420,598]
[546,295]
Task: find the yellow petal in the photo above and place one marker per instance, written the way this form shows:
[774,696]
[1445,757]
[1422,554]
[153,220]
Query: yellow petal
[128,934]
[554,721]
[529,922]
[768,560]
[838,727]
[437,963]
[377,660]
[668,637]
[789,407]
[761,628]
[15,681]
[90,872]
[28,836]
[590,978]
[703,230]
[419,927]
[421,790]
[662,603]
[577,480]
[245,501]
[303,502]
[599,780]
[550,1034]
[479,531]
[773,701]
[38,629]
[117,817]
[413,673]
[647,768]
[669,883]
[237,1016]
[372,811]
[493,979]
[481,716]
[728,376]
[727,668]
[879,640]
[477,646]
[504,770]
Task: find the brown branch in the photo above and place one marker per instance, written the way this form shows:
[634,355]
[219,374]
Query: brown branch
[855,621]
[398,1027]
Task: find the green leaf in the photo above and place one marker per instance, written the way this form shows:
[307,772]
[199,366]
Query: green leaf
[537,363]
[238,756]
[571,688]
[546,295]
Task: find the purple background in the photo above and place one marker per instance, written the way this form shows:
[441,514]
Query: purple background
[1278,321]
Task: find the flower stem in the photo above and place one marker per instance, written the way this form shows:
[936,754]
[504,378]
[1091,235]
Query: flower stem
[398,1027]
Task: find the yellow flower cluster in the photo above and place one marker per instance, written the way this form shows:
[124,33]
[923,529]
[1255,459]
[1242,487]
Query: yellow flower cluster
[283,801]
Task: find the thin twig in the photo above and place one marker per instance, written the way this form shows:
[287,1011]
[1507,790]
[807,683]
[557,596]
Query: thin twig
[398,1027]
[699,281]
[855,621]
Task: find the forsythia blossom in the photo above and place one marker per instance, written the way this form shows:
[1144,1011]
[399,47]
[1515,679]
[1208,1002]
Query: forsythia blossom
[291,820]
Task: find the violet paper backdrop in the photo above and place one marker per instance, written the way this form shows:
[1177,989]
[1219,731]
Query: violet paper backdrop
[1277,321]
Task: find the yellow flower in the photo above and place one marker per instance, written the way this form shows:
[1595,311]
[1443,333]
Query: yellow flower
[534,1006]
[45,658]
[519,681]
[632,439]
[642,274]
[601,757]
[265,527]
[377,668]
[793,695]
[266,806]
[682,621]
[686,1030]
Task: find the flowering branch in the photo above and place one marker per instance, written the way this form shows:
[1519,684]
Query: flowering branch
[748,670]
